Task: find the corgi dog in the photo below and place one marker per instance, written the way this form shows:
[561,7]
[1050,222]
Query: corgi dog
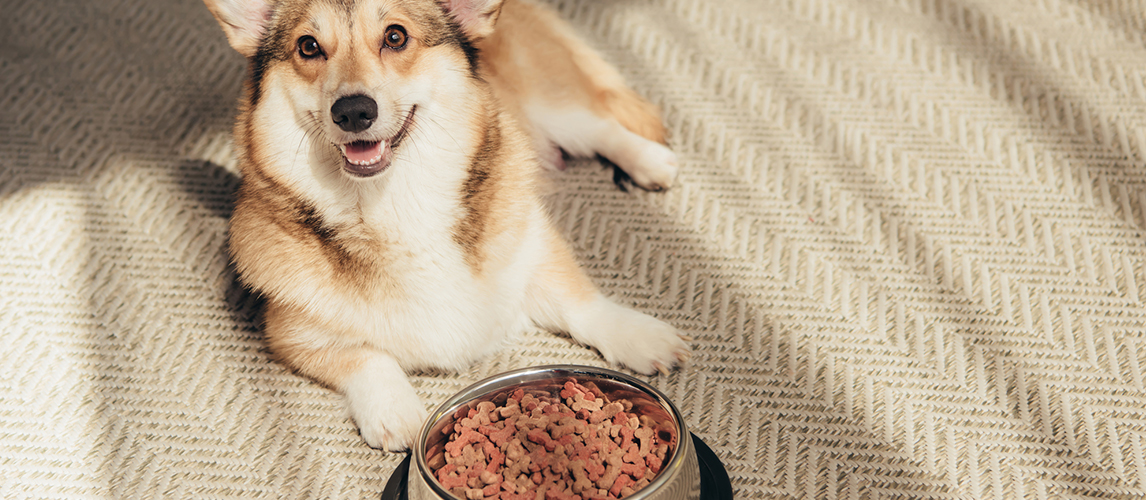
[388,214]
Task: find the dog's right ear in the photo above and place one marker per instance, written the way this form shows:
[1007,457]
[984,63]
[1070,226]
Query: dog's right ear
[244,22]
[476,17]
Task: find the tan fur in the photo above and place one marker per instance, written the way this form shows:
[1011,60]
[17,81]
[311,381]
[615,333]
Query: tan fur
[561,272]
[291,344]
[497,192]
[446,252]
[533,55]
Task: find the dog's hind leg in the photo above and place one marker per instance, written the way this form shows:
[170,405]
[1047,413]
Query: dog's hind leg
[611,120]
[572,97]
[581,132]
[562,298]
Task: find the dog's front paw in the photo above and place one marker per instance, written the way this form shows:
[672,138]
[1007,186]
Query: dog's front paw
[388,412]
[638,341]
[390,427]
[653,346]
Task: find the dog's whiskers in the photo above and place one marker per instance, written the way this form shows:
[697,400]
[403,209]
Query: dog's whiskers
[435,122]
[312,124]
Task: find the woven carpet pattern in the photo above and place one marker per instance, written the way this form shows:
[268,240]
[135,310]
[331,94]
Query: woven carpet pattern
[908,239]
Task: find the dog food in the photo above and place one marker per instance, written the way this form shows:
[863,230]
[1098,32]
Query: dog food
[536,446]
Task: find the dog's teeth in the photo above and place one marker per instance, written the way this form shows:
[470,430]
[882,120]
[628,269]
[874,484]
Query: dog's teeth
[360,161]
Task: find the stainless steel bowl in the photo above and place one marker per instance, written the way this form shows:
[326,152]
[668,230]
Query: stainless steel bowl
[678,479]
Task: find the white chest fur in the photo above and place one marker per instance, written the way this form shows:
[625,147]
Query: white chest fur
[425,305]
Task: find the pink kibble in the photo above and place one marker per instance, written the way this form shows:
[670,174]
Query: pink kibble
[654,463]
[621,482]
[535,446]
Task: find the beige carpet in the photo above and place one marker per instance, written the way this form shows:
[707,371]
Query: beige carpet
[908,238]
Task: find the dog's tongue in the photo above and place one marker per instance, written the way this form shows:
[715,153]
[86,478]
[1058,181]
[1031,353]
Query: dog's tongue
[363,153]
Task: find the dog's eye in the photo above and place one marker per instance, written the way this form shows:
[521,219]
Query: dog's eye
[395,37]
[308,47]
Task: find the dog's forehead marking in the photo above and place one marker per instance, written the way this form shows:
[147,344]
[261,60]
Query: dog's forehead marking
[292,14]
[427,17]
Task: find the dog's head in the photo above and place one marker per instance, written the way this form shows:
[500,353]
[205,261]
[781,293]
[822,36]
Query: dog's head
[353,76]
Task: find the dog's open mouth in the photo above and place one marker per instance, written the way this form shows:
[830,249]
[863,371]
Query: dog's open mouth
[368,158]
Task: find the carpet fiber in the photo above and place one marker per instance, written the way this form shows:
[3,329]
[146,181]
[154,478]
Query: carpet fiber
[908,239]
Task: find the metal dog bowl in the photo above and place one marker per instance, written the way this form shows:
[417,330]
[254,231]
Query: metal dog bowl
[679,478]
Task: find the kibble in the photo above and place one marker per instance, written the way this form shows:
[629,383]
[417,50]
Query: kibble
[537,447]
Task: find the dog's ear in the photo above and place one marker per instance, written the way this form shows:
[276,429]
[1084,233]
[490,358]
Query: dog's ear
[476,17]
[244,22]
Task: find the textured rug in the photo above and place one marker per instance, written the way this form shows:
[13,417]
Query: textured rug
[908,239]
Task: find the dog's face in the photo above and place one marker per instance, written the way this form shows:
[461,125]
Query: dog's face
[354,77]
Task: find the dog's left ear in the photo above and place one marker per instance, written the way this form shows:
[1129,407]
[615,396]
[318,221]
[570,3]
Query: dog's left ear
[476,17]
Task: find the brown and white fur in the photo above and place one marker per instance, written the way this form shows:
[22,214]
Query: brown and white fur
[406,234]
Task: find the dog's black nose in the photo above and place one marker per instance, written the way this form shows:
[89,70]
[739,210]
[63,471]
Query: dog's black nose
[354,113]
